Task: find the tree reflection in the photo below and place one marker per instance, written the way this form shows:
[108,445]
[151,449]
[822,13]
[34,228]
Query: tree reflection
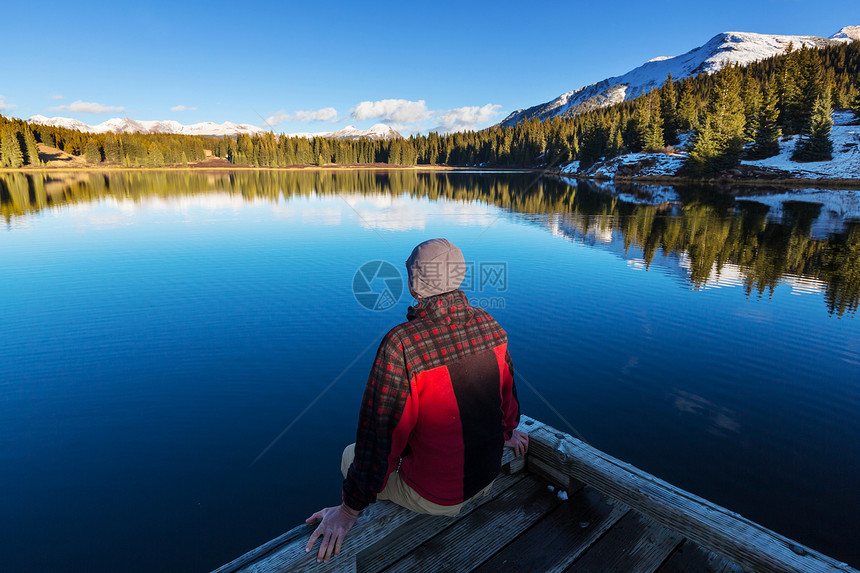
[709,228]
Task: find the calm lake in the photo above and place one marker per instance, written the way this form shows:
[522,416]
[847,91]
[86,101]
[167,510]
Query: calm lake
[160,331]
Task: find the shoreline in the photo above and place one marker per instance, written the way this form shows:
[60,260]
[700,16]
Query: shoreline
[644,180]
[223,165]
[721,182]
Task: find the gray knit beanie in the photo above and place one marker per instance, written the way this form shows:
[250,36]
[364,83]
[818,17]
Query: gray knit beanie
[435,267]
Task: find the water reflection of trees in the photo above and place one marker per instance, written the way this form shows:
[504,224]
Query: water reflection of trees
[711,229]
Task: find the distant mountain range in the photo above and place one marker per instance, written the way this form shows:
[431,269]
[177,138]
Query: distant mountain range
[127,125]
[723,49]
[377,131]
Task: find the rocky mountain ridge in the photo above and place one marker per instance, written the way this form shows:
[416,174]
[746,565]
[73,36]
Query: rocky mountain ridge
[723,49]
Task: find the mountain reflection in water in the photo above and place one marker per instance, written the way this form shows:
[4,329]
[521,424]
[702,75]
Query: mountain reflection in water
[752,238]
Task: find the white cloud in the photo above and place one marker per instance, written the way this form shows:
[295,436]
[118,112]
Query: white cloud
[4,104]
[324,114]
[279,117]
[398,111]
[87,107]
[404,114]
[183,108]
[465,118]
[57,97]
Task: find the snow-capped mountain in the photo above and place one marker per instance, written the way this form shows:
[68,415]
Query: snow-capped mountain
[377,131]
[210,128]
[127,125]
[723,49]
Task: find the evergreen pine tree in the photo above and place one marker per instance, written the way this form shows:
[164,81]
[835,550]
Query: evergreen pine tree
[641,124]
[10,148]
[112,150]
[46,136]
[410,153]
[92,153]
[154,157]
[855,106]
[573,140]
[767,133]
[817,145]
[704,154]
[720,147]
[592,144]
[616,142]
[789,91]
[669,111]
[688,109]
[654,133]
[394,153]
[751,98]
[812,87]
[31,148]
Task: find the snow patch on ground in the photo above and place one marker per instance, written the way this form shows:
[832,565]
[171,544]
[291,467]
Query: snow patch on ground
[632,164]
[844,165]
[846,154]
[571,167]
[685,140]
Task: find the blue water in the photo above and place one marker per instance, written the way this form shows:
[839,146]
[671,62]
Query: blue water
[153,346]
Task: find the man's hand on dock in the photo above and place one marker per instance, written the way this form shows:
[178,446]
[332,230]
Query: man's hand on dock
[336,523]
[519,442]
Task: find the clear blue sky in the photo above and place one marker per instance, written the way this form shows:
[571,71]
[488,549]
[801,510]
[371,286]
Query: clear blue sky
[309,67]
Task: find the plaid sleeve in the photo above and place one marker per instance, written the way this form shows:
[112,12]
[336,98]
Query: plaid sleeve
[510,402]
[385,398]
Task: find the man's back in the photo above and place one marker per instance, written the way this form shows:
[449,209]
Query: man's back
[439,405]
[441,396]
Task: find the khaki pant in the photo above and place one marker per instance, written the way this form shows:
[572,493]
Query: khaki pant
[398,492]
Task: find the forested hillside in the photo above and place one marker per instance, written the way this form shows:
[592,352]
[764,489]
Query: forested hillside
[732,113]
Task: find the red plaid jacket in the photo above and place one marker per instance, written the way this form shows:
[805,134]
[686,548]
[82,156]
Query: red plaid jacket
[438,405]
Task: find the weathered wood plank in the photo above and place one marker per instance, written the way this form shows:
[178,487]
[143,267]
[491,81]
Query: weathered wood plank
[567,462]
[377,522]
[404,539]
[529,425]
[560,538]
[472,541]
[374,522]
[515,465]
[511,464]
[636,544]
[715,528]
[690,557]
[553,473]
[301,531]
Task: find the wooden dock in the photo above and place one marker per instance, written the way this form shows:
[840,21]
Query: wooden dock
[611,516]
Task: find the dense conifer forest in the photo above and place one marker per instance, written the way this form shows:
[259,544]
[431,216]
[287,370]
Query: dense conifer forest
[734,113]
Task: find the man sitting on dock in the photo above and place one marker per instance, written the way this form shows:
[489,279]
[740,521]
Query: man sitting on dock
[439,405]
